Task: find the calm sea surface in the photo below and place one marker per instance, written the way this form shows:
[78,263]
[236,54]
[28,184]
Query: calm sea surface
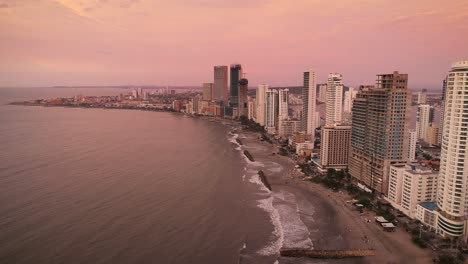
[119,186]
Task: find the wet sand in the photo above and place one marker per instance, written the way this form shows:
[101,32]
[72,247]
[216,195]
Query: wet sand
[314,216]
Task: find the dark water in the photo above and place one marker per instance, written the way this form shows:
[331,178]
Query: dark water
[116,186]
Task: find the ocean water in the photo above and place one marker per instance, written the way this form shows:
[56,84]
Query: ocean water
[120,186]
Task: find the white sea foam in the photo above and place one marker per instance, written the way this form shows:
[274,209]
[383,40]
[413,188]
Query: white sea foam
[233,140]
[295,232]
[256,179]
[273,247]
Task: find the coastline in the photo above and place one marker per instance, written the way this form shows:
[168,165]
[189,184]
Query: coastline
[308,214]
[331,223]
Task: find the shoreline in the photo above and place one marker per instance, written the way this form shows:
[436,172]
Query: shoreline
[335,224]
[349,231]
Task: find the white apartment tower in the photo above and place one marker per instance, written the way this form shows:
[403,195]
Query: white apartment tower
[271,113]
[452,193]
[308,106]
[348,99]
[322,93]
[422,97]
[334,102]
[260,101]
[283,106]
[424,121]
[413,139]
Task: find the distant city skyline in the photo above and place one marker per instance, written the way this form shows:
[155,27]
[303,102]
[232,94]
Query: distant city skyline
[118,42]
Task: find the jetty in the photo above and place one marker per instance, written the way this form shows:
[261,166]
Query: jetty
[327,254]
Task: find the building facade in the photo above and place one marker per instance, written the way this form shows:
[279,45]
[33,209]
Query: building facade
[380,127]
[422,97]
[208,91]
[334,101]
[220,84]
[236,75]
[322,93]
[424,120]
[243,97]
[413,140]
[442,110]
[452,198]
[288,127]
[261,103]
[409,185]
[271,112]
[283,104]
[334,147]
[309,103]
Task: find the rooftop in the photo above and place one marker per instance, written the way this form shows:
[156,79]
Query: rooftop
[429,205]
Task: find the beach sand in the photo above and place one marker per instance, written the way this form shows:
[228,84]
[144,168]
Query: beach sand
[313,216]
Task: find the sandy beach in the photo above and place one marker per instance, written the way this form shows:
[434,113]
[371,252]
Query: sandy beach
[312,216]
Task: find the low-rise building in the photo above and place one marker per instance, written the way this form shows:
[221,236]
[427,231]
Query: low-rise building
[288,127]
[409,185]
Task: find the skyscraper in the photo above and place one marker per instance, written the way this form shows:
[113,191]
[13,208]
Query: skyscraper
[348,104]
[309,103]
[452,187]
[348,99]
[334,101]
[413,139]
[236,75]
[242,97]
[322,93]
[422,96]
[208,91]
[271,115]
[283,106]
[442,110]
[220,84]
[379,136]
[424,120]
[261,103]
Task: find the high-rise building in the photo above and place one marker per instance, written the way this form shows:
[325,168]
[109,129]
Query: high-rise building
[208,91]
[271,115]
[348,99]
[422,97]
[195,101]
[261,103]
[251,109]
[283,106]
[442,110]
[413,140]
[243,97]
[380,126]
[334,102]
[432,134]
[236,75]
[220,84]
[348,104]
[309,103]
[322,93]
[334,146]
[453,175]
[318,120]
[424,120]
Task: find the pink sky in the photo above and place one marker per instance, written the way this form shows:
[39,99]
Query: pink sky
[177,42]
